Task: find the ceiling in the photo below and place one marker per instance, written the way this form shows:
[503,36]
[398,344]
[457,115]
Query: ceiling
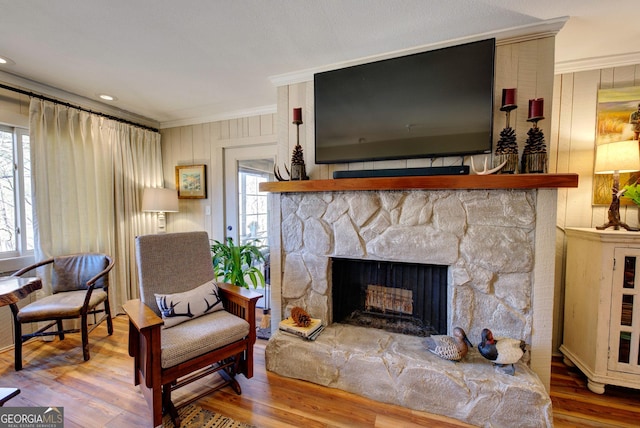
[193,61]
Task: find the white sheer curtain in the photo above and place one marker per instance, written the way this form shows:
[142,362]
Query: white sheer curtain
[138,164]
[88,177]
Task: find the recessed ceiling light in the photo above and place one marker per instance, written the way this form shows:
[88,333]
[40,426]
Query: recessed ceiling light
[4,60]
[107,97]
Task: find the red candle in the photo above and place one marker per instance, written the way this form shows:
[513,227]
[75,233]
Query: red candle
[508,97]
[297,114]
[536,108]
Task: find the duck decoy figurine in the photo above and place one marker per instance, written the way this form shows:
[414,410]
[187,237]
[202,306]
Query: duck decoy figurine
[504,352]
[452,348]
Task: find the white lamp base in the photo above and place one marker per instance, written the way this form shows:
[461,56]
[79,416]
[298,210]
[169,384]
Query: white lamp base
[614,209]
[162,223]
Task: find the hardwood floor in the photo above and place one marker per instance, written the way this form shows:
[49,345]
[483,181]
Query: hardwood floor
[100,393]
[575,406]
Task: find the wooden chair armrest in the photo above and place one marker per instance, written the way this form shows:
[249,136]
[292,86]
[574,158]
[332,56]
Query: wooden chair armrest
[141,316]
[144,341]
[102,273]
[32,267]
[241,302]
[238,294]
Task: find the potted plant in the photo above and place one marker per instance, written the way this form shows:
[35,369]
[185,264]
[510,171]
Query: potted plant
[632,192]
[237,263]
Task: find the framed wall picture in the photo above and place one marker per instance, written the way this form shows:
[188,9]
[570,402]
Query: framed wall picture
[618,110]
[191,181]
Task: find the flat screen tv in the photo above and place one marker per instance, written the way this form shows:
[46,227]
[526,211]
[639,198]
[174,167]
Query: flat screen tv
[430,104]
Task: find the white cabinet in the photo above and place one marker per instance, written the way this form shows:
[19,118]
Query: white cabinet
[602,306]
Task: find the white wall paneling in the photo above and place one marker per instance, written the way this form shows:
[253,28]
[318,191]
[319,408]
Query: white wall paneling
[574,131]
[204,144]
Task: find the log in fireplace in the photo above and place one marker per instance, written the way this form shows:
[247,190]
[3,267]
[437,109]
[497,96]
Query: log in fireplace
[407,298]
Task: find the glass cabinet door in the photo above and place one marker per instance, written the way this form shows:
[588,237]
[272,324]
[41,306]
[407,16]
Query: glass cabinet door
[624,340]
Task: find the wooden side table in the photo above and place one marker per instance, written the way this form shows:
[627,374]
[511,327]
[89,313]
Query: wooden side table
[15,288]
[12,290]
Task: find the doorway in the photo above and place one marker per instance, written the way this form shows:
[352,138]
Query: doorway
[246,208]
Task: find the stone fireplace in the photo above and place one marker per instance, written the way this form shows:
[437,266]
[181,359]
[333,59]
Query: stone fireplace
[485,237]
[498,249]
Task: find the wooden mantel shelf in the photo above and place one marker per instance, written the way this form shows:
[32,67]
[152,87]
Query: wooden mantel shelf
[434,182]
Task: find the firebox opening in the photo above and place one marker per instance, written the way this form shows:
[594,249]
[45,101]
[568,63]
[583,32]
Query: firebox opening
[407,298]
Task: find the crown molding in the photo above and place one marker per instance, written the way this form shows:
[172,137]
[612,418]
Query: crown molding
[538,30]
[597,63]
[256,111]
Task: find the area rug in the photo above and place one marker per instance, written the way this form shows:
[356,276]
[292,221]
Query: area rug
[193,416]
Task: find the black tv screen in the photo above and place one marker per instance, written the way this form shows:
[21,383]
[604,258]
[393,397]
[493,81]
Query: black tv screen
[425,105]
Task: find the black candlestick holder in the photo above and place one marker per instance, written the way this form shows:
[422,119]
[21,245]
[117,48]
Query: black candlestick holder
[508,108]
[534,155]
[507,147]
[298,169]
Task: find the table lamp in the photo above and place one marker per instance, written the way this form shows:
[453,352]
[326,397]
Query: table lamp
[614,158]
[159,200]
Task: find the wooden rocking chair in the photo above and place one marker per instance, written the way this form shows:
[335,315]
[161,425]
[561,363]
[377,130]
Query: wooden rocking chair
[173,270]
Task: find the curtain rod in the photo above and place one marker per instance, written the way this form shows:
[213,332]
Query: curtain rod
[53,100]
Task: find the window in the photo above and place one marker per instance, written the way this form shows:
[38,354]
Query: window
[252,205]
[16,216]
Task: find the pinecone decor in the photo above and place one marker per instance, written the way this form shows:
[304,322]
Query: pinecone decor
[297,158]
[300,317]
[535,142]
[534,155]
[298,170]
[507,150]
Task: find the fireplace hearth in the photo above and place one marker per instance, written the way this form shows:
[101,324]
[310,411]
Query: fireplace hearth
[395,368]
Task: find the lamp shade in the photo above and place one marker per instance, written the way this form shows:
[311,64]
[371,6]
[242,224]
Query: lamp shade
[621,156]
[157,199]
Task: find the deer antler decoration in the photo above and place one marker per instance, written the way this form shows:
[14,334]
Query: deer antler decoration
[485,171]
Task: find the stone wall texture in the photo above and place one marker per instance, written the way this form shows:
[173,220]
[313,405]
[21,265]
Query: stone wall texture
[486,237]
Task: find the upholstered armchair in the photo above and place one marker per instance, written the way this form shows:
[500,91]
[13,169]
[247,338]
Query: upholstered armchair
[80,286]
[186,325]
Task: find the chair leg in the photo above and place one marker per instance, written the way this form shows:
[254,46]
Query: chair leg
[17,333]
[60,329]
[229,374]
[85,338]
[107,311]
[230,378]
[168,406]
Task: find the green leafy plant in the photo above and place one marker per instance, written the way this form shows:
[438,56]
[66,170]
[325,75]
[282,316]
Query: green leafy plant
[632,192]
[236,263]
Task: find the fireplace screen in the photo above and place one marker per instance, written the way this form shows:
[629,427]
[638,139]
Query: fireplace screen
[406,298]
